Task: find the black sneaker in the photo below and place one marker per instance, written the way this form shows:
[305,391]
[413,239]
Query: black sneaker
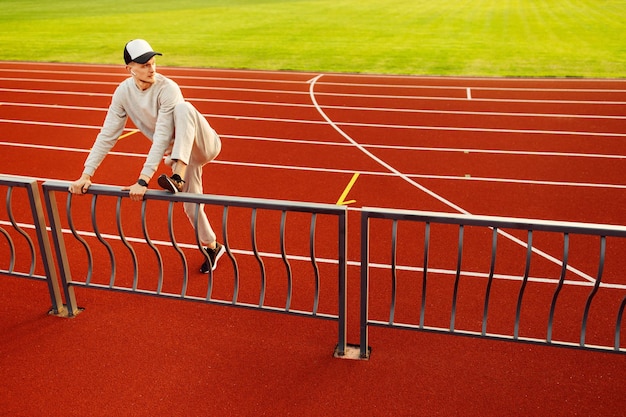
[173,184]
[214,256]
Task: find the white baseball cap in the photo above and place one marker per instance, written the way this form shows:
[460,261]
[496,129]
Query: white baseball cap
[138,51]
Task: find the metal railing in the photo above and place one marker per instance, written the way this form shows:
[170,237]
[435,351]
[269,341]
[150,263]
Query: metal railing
[416,294]
[520,280]
[18,230]
[113,256]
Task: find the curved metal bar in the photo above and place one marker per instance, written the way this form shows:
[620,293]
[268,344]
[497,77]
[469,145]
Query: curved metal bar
[457,278]
[12,249]
[170,227]
[283,220]
[559,286]
[258,257]
[425,273]
[230,255]
[31,245]
[118,218]
[592,294]
[316,271]
[6,234]
[204,252]
[518,312]
[492,268]
[106,244]
[394,277]
[144,229]
[70,221]
[11,245]
[618,324]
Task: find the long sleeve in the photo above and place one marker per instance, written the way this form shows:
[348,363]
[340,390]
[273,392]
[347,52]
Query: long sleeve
[111,130]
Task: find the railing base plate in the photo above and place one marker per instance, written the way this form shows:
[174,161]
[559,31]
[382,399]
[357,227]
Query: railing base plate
[353,352]
[64,312]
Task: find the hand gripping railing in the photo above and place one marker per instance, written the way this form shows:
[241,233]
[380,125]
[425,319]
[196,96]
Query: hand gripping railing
[420,275]
[39,226]
[102,249]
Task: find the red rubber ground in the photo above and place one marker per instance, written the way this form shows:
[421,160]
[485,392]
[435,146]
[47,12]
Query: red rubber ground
[539,148]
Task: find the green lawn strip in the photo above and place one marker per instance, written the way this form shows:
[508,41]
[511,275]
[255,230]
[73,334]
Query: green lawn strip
[559,38]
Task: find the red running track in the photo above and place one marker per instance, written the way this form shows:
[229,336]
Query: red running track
[540,148]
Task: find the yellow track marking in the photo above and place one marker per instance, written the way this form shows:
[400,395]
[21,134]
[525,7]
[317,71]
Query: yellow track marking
[132,132]
[342,200]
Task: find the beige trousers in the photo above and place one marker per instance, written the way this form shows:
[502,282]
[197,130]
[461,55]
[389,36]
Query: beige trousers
[196,144]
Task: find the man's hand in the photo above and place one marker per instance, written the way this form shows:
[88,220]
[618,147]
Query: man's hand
[136,191]
[81,185]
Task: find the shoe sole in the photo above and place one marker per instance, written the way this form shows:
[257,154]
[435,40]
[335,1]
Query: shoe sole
[166,184]
[218,255]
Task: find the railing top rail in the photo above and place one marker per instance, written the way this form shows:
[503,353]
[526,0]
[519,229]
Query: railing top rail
[14,180]
[231,201]
[496,221]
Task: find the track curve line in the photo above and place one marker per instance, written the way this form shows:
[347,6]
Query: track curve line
[431,193]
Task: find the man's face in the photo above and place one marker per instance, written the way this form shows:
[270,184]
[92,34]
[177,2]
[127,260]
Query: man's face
[143,73]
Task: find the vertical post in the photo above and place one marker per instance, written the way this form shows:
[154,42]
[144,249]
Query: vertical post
[365,254]
[59,244]
[342,278]
[425,273]
[394,277]
[44,246]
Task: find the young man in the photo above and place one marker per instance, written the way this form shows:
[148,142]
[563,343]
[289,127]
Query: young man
[177,130]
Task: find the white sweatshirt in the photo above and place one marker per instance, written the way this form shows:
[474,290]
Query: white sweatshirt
[152,112]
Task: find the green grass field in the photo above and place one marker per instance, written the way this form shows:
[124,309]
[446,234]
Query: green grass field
[558,38]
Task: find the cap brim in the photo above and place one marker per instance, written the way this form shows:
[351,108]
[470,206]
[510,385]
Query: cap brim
[142,59]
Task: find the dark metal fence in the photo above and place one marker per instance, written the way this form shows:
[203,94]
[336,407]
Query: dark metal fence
[544,282]
[156,255]
[520,280]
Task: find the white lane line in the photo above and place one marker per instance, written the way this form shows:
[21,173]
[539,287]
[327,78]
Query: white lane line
[372,145]
[369,125]
[338,170]
[351,108]
[116,70]
[599,101]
